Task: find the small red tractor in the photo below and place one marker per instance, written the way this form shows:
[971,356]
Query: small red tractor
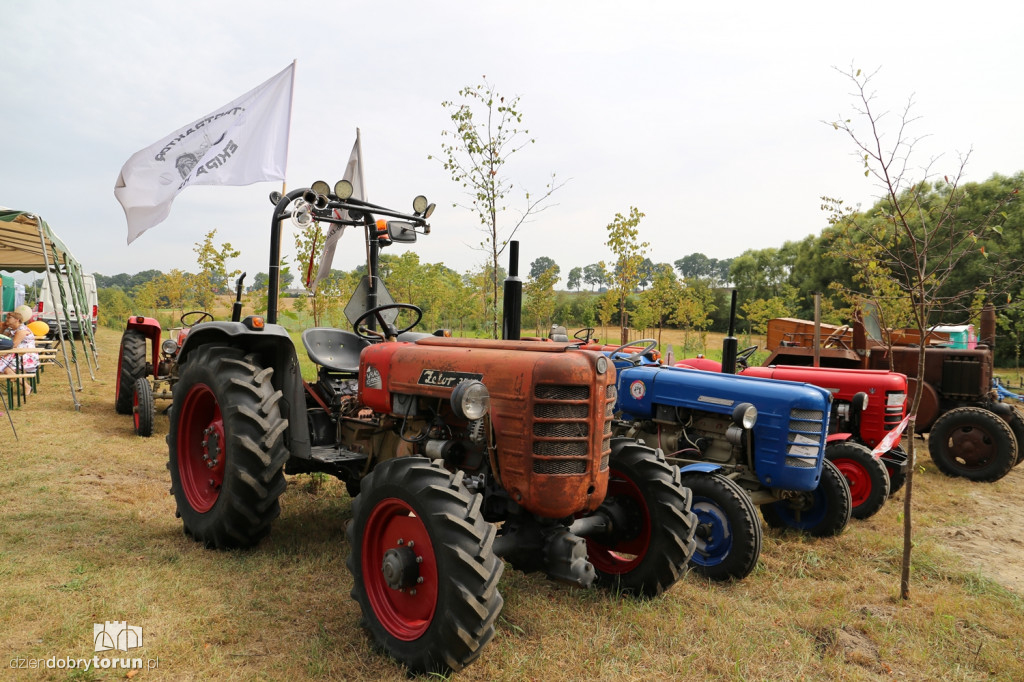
[459,453]
[970,432]
[147,374]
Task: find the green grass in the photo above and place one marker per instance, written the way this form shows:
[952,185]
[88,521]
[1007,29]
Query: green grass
[88,534]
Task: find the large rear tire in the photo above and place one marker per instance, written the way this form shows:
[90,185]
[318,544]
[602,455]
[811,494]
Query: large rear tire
[866,476]
[973,443]
[1016,422]
[227,449]
[728,529]
[424,570]
[143,410]
[822,512]
[649,553]
[131,366]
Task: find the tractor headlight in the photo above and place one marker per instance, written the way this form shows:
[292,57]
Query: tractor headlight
[169,347]
[602,364]
[470,399]
[745,415]
[895,399]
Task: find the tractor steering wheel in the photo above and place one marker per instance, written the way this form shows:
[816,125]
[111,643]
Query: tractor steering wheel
[836,337]
[584,334]
[202,316]
[390,331]
[635,357]
[744,355]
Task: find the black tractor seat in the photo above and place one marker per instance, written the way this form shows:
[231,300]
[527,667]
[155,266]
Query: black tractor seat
[336,349]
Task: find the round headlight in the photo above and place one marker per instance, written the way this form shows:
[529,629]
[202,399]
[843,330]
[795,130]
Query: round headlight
[602,364]
[863,400]
[470,399]
[343,189]
[745,415]
[169,346]
[419,204]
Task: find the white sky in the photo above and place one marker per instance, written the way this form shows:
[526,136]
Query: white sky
[708,119]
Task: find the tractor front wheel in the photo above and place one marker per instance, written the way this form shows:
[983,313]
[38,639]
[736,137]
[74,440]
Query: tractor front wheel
[649,552]
[866,476]
[728,531]
[143,411]
[424,570]
[131,365]
[822,512]
[973,443]
[227,450]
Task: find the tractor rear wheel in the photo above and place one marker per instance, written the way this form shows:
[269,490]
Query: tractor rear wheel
[1016,422]
[650,552]
[424,570]
[973,443]
[822,512]
[227,449]
[866,476]
[131,365]
[143,412]
[728,530]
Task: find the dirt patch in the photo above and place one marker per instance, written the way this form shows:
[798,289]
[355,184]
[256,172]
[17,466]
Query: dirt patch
[993,543]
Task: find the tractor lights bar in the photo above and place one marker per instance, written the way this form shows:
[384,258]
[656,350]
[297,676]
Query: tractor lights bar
[319,196]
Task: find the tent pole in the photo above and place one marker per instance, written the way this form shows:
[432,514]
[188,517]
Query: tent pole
[60,334]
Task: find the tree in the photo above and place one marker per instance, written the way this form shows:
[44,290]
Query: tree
[541,266]
[595,275]
[624,242]
[213,273]
[575,277]
[485,133]
[663,296]
[923,238]
[539,299]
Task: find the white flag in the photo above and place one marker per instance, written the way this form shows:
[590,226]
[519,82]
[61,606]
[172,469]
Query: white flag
[354,174]
[243,142]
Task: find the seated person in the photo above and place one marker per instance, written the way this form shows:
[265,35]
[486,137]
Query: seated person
[22,337]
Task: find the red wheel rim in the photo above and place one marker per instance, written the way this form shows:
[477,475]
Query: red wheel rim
[857,478]
[624,555]
[405,613]
[201,451]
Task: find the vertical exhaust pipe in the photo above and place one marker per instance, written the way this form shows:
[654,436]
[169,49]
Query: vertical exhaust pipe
[729,344]
[512,306]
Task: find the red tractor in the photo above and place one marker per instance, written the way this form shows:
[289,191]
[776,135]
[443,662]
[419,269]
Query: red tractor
[459,453]
[134,393]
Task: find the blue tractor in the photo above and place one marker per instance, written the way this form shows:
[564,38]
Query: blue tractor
[739,441]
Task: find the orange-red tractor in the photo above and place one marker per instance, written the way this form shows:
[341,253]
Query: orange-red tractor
[438,440]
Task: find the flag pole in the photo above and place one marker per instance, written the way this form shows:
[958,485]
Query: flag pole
[274,276]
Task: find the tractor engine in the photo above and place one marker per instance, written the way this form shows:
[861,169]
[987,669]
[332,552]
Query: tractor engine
[692,434]
[535,447]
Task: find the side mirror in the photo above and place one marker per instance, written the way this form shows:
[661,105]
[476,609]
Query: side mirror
[401,232]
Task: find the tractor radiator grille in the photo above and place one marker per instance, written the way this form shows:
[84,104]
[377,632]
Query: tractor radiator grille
[961,377]
[561,429]
[806,428]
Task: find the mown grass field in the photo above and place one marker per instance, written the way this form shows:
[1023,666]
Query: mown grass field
[88,535]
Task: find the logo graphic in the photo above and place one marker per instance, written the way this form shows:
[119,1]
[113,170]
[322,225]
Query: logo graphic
[637,389]
[446,378]
[116,635]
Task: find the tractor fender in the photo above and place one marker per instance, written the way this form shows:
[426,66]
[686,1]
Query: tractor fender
[701,468]
[151,330]
[838,437]
[274,348]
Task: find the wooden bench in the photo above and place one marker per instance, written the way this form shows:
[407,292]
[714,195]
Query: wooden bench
[17,384]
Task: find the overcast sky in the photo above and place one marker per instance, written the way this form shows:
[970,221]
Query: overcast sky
[708,119]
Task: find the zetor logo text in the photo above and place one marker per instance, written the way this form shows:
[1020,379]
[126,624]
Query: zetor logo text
[108,636]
